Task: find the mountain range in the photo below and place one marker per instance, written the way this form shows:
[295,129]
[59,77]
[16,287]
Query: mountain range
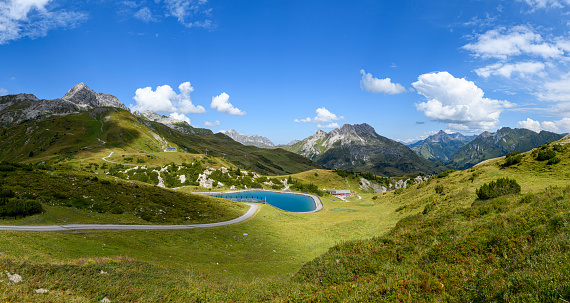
[492,145]
[440,146]
[352,147]
[253,140]
[359,148]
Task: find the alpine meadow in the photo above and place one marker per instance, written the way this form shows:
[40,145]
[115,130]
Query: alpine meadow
[223,151]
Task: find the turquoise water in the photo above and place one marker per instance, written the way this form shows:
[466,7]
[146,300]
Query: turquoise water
[284,201]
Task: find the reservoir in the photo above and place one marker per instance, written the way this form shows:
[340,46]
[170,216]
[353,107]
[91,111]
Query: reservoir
[298,203]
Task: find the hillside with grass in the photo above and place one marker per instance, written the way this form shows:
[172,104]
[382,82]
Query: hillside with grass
[81,135]
[432,241]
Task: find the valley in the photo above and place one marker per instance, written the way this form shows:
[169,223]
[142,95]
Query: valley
[410,229]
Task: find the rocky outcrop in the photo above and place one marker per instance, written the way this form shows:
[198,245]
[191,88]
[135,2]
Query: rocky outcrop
[253,140]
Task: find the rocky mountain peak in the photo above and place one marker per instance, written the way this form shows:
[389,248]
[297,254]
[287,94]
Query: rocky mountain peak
[86,98]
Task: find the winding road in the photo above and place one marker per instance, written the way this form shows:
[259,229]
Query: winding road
[70,227]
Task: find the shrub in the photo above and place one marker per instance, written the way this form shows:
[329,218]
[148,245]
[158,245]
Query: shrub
[544,155]
[512,159]
[445,173]
[501,187]
[439,189]
[553,161]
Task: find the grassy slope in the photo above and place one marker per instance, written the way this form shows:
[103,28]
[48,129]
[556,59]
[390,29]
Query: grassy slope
[61,139]
[459,250]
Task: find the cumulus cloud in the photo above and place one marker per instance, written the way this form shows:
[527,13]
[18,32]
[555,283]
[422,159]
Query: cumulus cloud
[3,91]
[323,116]
[502,43]
[144,14]
[221,103]
[212,124]
[328,126]
[457,102]
[552,126]
[523,69]
[165,100]
[184,10]
[33,19]
[180,117]
[375,85]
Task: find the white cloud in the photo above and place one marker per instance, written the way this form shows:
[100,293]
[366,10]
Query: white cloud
[375,85]
[212,124]
[3,91]
[144,14]
[523,69]
[502,43]
[184,10]
[329,126]
[536,4]
[165,100]
[562,125]
[323,116]
[457,102]
[556,90]
[221,103]
[33,19]
[180,117]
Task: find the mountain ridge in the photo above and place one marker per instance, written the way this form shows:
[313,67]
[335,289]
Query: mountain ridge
[358,147]
[252,140]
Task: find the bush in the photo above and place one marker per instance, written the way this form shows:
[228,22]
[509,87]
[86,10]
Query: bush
[512,159]
[544,155]
[553,161]
[445,173]
[439,189]
[501,187]
[16,207]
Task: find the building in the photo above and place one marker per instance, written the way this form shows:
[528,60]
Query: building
[340,193]
[170,149]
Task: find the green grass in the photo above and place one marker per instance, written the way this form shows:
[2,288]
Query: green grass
[417,245]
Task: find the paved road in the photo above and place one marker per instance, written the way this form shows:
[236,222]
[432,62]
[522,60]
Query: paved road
[250,213]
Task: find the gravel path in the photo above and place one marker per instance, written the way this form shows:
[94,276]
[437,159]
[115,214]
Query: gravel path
[250,213]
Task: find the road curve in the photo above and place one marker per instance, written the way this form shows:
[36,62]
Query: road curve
[68,227]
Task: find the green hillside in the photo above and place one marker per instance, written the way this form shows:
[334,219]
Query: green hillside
[434,241]
[76,136]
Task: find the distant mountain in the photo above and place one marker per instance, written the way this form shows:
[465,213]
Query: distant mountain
[182,126]
[17,109]
[493,145]
[441,146]
[359,148]
[252,140]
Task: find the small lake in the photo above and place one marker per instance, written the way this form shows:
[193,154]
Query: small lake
[284,201]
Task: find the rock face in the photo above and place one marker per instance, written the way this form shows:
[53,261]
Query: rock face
[359,148]
[441,146]
[182,126]
[21,108]
[86,99]
[505,140]
[253,140]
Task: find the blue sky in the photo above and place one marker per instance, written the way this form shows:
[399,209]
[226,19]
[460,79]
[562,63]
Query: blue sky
[283,69]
